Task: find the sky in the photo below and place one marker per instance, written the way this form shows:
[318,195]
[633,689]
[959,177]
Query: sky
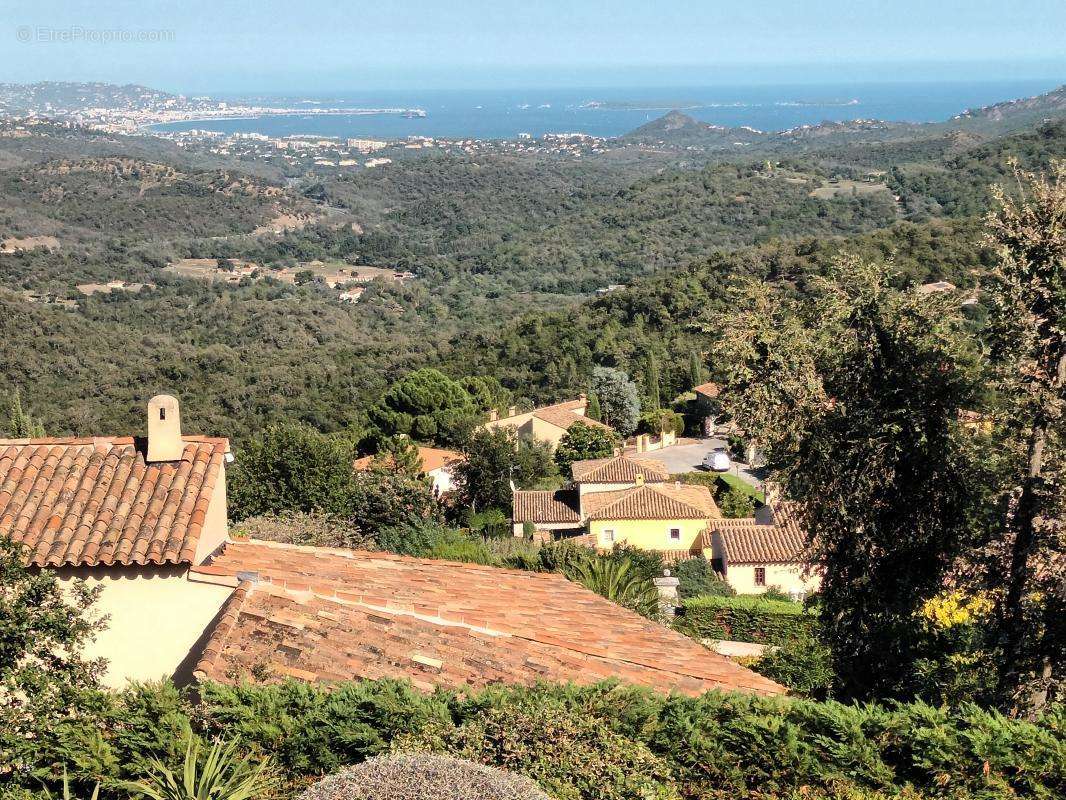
[295,45]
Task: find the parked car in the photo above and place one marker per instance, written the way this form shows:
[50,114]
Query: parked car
[717,460]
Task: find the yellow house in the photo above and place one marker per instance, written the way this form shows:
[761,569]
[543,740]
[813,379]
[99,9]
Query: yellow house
[621,500]
[547,423]
[131,516]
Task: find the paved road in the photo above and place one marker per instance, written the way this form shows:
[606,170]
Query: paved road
[688,457]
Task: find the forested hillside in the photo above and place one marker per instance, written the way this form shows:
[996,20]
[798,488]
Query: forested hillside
[506,253]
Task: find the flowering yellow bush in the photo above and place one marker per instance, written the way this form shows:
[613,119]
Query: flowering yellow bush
[955,608]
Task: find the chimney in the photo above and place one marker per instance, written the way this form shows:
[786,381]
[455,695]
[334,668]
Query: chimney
[512,411]
[639,480]
[493,415]
[164,429]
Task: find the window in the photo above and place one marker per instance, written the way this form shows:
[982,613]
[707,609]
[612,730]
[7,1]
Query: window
[675,534]
[760,576]
[162,413]
[608,536]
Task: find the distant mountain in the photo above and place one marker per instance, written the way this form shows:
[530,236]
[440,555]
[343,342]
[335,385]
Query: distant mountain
[676,129]
[1014,113]
[59,97]
[680,130]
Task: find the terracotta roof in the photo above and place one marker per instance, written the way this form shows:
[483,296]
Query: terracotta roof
[332,615]
[750,541]
[564,418]
[709,389]
[96,501]
[432,458]
[652,501]
[619,469]
[545,506]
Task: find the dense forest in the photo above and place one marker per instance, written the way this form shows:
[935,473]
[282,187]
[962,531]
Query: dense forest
[507,254]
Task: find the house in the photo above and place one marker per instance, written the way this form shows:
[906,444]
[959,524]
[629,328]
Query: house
[132,516]
[767,550]
[324,615]
[547,423]
[621,500]
[144,519]
[436,463]
[707,405]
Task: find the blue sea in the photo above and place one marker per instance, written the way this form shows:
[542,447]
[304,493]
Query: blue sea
[501,114]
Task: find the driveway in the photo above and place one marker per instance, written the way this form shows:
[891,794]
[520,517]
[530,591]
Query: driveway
[687,456]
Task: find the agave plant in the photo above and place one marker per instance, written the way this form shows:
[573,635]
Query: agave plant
[619,582]
[220,774]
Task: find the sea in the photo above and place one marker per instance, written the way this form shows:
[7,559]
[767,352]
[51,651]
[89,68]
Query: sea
[504,114]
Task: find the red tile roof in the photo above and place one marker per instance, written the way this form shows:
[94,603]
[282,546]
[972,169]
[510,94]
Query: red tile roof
[96,501]
[432,458]
[748,541]
[619,469]
[651,501]
[565,418]
[709,389]
[331,615]
[545,506]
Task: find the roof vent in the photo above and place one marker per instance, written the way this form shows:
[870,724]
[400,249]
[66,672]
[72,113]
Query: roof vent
[640,479]
[164,429]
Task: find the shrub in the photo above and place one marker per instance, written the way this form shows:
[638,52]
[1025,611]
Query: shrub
[802,664]
[744,619]
[433,540]
[403,776]
[697,577]
[297,527]
[737,504]
[573,756]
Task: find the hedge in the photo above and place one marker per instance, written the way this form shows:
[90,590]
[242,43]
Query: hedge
[744,618]
[601,742]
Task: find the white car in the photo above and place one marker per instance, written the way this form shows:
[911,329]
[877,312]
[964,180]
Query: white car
[717,460]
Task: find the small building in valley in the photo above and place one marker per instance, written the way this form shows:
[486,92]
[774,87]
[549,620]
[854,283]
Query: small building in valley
[437,464]
[547,423]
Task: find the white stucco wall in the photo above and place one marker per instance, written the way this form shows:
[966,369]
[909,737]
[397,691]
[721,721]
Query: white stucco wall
[787,577]
[157,615]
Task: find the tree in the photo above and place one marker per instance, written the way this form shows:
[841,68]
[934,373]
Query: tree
[617,580]
[491,523]
[619,400]
[737,504]
[428,406]
[855,397]
[494,459]
[695,369]
[380,498]
[651,383]
[21,424]
[290,467]
[487,392]
[582,442]
[44,627]
[662,420]
[593,410]
[1028,333]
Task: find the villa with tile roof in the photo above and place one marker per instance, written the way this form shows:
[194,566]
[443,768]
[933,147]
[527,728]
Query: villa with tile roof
[436,463]
[766,550]
[621,500]
[144,519]
[547,423]
[130,516]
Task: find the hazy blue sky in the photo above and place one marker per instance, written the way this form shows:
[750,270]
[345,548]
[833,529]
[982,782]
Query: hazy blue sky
[328,44]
